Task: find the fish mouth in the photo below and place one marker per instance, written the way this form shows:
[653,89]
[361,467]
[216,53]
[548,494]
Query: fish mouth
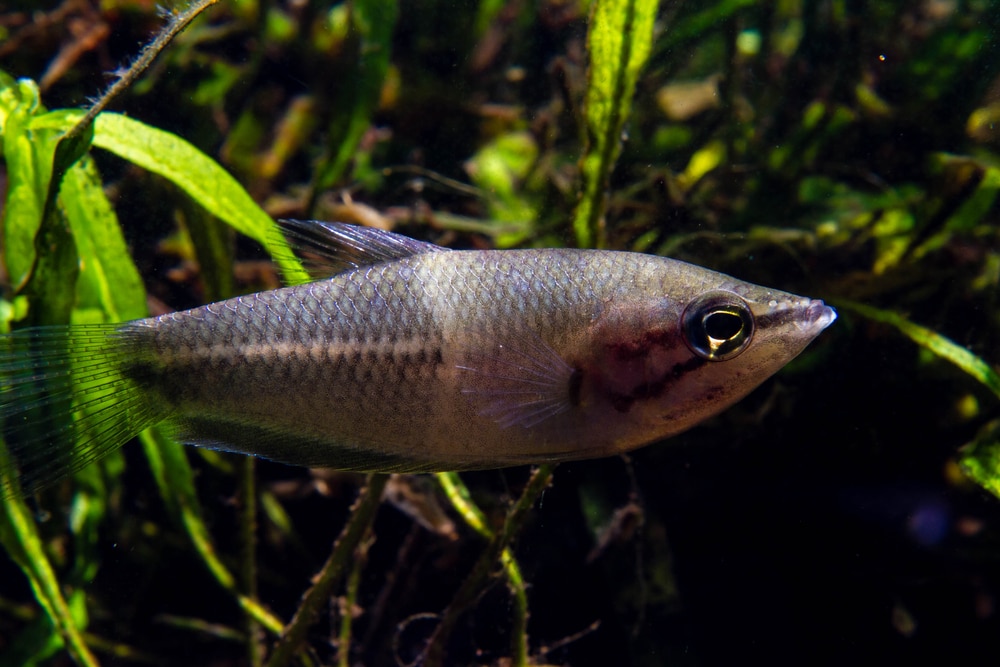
[801,314]
[817,316]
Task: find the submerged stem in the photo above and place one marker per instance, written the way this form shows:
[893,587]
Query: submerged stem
[350,600]
[461,500]
[362,515]
[497,549]
[248,573]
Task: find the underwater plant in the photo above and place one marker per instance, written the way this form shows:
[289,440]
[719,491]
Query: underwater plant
[842,151]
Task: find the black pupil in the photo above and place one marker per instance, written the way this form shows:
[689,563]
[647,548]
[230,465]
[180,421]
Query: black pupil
[722,325]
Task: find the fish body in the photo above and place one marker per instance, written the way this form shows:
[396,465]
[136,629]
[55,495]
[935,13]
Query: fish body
[413,358]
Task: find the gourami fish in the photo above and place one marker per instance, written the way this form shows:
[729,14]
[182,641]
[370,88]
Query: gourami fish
[411,357]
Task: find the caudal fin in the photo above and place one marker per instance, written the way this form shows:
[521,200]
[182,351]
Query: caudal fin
[65,401]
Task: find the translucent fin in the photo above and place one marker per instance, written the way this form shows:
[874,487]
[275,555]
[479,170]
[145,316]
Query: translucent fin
[329,248]
[65,401]
[522,382]
[288,447]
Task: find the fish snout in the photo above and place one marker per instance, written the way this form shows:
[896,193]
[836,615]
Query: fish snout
[817,316]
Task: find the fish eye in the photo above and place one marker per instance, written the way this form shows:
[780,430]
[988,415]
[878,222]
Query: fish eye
[717,326]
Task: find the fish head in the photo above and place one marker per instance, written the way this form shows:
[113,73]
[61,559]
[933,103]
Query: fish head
[674,356]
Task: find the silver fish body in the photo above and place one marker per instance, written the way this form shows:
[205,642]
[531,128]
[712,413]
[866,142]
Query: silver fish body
[425,359]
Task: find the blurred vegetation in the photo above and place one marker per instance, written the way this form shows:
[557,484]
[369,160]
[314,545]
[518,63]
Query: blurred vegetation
[840,149]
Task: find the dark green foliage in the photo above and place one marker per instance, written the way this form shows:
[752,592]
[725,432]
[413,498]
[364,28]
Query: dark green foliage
[844,150]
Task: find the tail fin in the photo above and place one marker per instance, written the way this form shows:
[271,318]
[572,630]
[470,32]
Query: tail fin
[66,401]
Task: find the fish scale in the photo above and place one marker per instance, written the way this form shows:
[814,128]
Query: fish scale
[411,357]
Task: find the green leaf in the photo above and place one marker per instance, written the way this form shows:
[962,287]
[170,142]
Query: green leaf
[28,157]
[108,277]
[202,178]
[980,459]
[175,481]
[497,168]
[943,347]
[19,537]
[372,24]
[619,41]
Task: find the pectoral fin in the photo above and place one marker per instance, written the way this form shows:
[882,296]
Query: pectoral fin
[520,382]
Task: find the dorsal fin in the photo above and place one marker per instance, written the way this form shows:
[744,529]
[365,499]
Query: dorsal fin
[329,248]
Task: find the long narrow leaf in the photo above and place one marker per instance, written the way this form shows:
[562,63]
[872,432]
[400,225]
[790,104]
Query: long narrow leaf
[372,23]
[620,38]
[19,536]
[24,151]
[175,481]
[203,179]
[940,345]
[109,279]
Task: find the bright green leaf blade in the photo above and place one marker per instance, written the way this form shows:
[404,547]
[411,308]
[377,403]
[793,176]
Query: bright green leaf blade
[980,459]
[20,538]
[175,480]
[619,41]
[943,347]
[203,179]
[28,171]
[108,279]
[458,495]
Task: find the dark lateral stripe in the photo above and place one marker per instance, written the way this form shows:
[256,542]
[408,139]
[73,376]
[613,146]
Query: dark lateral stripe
[631,349]
[655,388]
[779,318]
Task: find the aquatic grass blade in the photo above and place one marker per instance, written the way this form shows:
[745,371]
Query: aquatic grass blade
[175,481]
[371,26]
[980,460]
[20,538]
[27,154]
[109,279]
[941,346]
[497,550]
[619,41]
[461,499]
[202,178]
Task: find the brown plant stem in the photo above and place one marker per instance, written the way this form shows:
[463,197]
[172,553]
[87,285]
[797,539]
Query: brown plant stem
[362,515]
[469,591]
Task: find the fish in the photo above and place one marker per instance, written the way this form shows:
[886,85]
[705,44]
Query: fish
[408,357]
